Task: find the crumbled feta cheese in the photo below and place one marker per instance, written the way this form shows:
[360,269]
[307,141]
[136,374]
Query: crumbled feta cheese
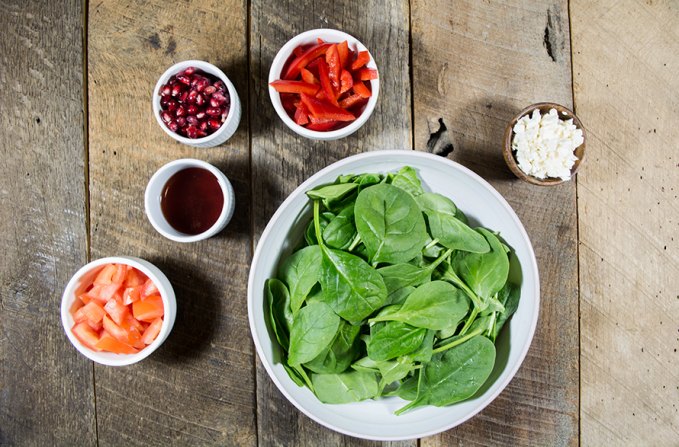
[544,145]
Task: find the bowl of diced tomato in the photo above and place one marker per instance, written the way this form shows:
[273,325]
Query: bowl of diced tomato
[118,310]
[324,84]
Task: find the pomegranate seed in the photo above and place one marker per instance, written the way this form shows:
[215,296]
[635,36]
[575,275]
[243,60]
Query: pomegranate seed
[200,115]
[191,119]
[184,79]
[172,106]
[166,117]
[189,71]
[176,90]
[191,109]
[200,99]
[173,126]
[225,114]
[201,133]
[210,89]
[164,101]
[191,132]
[201,84]
[213,111]
[203,126]
[166,90]
[184,95]
[219,98]
[180,111]
[214,124]
[181,121]
[192,96]
[220,85]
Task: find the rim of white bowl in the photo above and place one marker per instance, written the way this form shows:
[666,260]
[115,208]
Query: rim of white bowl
[166,294]
[301,189]
[208,68]
[155,214]
[275,74]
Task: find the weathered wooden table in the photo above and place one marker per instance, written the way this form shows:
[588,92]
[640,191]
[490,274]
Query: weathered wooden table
[79,143]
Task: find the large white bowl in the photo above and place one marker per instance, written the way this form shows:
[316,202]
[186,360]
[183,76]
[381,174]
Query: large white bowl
[375,419]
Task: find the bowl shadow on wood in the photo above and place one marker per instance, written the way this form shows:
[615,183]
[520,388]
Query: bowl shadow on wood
[198,308]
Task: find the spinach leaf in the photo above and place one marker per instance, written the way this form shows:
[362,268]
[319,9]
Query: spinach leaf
[399,279]
[393,340]
[339,355]
[390,224]
[408,388]
[485,273]
[296,376]
[301,271]
[454,375]
[352,386]
[280,314]
[313,330]
[331,192]
[446,228]
[509,297]
[426,349]
[310,232]
[394,371]
[340,232]
[407,180]
[434,305]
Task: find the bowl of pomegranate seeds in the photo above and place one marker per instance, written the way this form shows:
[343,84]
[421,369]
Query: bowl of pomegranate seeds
[196,104]
[324,84]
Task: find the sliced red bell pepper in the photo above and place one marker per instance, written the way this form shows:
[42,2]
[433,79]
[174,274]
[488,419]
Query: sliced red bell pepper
[319,40]
[288,100]
[351,101]
[343,52]
[326,83]
[347,81]
[322,127]
[361,89]
[334,68]
[308,76]
[367,74]
[362,59]
[301,115]
[299,50]
[324,110]
[294,87]
[301,61]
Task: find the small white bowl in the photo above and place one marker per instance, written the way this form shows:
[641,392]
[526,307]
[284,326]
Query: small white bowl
[309,37]
[166,294]
[229,126]
[154,190]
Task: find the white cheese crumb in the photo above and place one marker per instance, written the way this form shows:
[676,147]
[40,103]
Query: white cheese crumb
[544,145]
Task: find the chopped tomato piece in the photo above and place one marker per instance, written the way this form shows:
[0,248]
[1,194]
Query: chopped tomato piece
[91,313]
[343,52]
[148,309]
[294,87]
[152,331]
[109,291]
[308,76]
[106,275]
[320,109]
[116,310]
[125,333]
[362,59]
[87,280]
[347,81]
[108,343]
[131,294]
[361,89]
[149,289]
[130,321]
[302,61]
[134,278]
[367,74]
[86,335]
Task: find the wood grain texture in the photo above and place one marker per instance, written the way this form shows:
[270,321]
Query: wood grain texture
[281,160]
[625,64]
[46,389]
[198,388]
[475,65]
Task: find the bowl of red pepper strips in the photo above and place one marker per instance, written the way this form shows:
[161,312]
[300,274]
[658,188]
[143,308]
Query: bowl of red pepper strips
[324,84]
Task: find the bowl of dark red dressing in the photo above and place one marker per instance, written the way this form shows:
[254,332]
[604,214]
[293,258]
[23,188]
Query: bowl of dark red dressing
[189,200]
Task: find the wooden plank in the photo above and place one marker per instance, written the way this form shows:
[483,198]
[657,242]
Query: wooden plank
[46,389]
[625,63]
[198,388]
[475,65]
[281,160]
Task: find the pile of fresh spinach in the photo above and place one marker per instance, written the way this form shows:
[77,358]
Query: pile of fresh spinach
[392,294]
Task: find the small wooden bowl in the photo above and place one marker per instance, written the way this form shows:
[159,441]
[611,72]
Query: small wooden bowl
[544,108]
